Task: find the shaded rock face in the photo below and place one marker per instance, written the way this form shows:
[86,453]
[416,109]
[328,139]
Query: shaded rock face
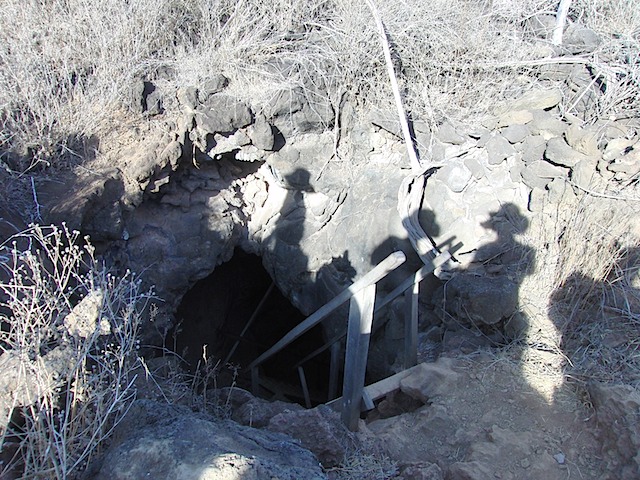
[481,301]
[320,430]
[163,442]
[320,209]
[226,176]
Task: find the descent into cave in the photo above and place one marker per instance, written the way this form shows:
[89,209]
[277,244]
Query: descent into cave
[213,316]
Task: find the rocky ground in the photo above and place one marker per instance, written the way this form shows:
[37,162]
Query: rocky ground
[528,336]
[464,417]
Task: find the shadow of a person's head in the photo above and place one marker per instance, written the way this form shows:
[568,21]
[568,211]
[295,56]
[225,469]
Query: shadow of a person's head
[299,179]
[507,221]
[506,251]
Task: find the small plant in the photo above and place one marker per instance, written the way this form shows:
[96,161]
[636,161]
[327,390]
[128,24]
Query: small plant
[68,348]
[365,466]
[205,386]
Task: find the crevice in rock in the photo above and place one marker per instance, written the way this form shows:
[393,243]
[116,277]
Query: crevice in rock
[212,320]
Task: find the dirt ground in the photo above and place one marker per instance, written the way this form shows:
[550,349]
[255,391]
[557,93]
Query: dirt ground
[486,418]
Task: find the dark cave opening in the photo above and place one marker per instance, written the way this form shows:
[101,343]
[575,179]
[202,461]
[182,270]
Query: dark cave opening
[215,313]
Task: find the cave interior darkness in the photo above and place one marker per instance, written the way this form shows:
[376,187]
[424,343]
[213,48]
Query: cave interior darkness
[214,313]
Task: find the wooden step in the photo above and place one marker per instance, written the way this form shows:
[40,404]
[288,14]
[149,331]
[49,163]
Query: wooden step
[377,390]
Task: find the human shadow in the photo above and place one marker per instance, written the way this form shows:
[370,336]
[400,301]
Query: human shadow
[481,304]
[487,392]
[288,265]
[596,322]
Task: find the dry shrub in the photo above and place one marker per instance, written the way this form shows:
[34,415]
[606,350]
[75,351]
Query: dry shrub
[582,302]
[68,347]
[69,65]
[364,465]
[615,64]
[596,301]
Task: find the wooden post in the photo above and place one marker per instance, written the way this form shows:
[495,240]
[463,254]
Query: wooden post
[305,388]
[367,401]
[250,322]
[561,20]
[389,264]
[359,330]
[334,371]
[255,381]
[411,325]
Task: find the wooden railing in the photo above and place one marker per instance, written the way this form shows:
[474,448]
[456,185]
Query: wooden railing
[362,296]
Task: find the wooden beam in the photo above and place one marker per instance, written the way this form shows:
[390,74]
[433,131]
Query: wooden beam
[358,333]
[389,264]
[251,319]
[334,371]
[305,388]
[255,381]
[367,402]
[417,277]
[321,349]
[377,390]
[411,326]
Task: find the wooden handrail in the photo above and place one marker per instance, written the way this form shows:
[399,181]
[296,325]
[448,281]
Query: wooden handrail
[399,290]
[417,277]
[389,264]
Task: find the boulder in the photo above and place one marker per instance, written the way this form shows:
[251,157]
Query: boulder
[473,162]
[498,149]
[541,24]
[546,124]
[166,442]
[559,153]
[514,117]
[583,140]
[515,133]
[626,166]
[617,147]
[474,470]
[261,133]
[258,413]
[447,133]
[430,380]
[319,429]
[533,100]
[454,175]
[556,189]
[579,39]
[222,114]
[481,300]
[616,409]
[583,172]
[533,148]
[539,173]
[422,471]
[212,85]
[187,97]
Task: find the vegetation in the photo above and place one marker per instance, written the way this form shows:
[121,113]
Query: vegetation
[69,70]
[68,66]
[68,349]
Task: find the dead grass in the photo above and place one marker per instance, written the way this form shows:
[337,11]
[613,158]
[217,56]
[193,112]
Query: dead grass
[596,302]
[583,301]
[365,464]
[68,66]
